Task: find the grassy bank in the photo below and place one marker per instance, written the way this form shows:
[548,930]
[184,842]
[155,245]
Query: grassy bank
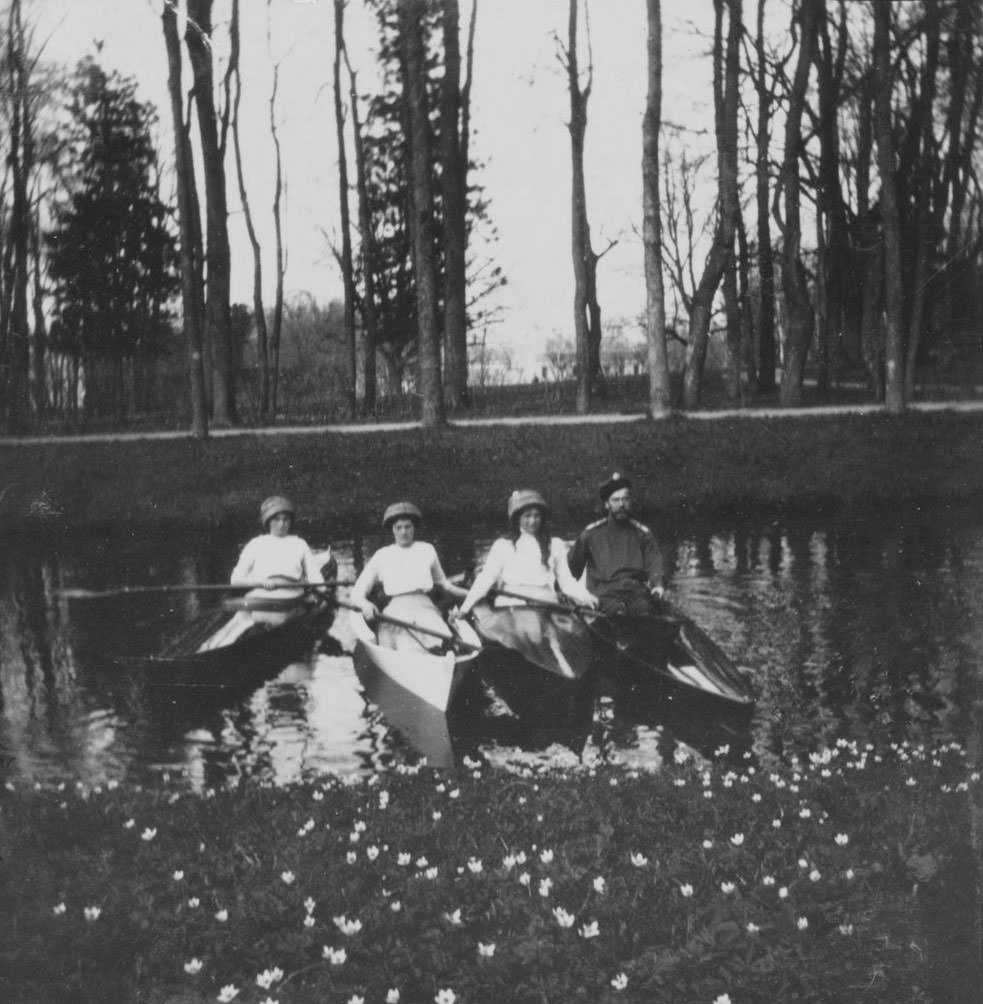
[461,473]
[849,878]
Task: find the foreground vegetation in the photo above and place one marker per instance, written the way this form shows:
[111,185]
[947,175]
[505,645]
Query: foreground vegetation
[847,878]
[461,473]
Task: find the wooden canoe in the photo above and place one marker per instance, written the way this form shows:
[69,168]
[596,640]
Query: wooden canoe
[418,677]
[242,648]
[670,650]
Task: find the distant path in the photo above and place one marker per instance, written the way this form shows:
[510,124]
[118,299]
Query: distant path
[603,419]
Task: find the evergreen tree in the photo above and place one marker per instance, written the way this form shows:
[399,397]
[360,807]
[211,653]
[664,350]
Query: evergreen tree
[112,254]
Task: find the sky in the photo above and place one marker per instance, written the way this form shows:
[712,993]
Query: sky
[520,109]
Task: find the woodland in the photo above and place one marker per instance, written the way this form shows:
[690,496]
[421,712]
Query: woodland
[844,237]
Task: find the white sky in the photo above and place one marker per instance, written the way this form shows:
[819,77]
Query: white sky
[519,115]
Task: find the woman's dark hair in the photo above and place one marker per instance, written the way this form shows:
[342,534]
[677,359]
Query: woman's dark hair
[542,536]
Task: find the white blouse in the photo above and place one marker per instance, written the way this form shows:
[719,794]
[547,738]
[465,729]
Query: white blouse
[399,570]
[267,557]
[519,567]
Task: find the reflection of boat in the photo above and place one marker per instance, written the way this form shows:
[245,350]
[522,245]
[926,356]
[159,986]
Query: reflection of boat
[431,678]
[539,662]
[243,649]
[671,651]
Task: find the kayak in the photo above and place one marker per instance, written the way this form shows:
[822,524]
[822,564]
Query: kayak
[539,662]
[242,644]
[416,677]
[671,650]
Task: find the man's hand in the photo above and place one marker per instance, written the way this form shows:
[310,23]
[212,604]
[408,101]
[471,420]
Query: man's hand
[658,592]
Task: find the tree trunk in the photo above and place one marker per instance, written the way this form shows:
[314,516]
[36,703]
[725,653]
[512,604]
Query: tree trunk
[766,355]
[366,255]
[660,395]
[894,390]
[721,256]
[454,172]
[259,311]
[422,230]
[347,266]
[278,238]
[197,37]
[190,249]
[798,309]
[580,228]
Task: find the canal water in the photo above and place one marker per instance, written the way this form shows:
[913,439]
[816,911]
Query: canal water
[866,626]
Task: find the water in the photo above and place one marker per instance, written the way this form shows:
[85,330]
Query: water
[868,627]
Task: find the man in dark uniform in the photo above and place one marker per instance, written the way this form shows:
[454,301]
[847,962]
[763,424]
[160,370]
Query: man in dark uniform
[622,558]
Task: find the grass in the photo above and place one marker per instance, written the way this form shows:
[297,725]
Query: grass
[815,882]
[457,474]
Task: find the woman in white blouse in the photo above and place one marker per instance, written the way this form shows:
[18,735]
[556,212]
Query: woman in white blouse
[407,571]
[529,562]
[531,565]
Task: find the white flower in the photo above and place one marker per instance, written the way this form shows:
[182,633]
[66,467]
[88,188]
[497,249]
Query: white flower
[776,824]
[546,855]
[149,833]
[309,921]
[752,928]
[486,951]
[842,839]
[545,886]
[395,906]
[431,873]
[475,866]
[591,930]
[355,999]
[372,852]
[437,815]
[737,839]
[422,862]
[402,859]
[392,997]
[768,880]
[620,981]
[563,918]
[347,926]
[194,902]
[309,904]
[508,862]
[722,999]
[178,875]
[783,892]
[599,884]
[193,966]
[802,923]
[129,824]
[756,797]
[524,878]
[227,993]
[222,915]
[845,929]
[803,862]
[268,977]
[336,956]
[453,918]
[727,888]
[815,875]
[707,844]
[638,859]
[454,793]
[287,877]
[59,909]
[445,997]
[351,857]
[686,890]
[848,874]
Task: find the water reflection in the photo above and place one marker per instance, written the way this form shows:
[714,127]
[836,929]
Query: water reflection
[866,628]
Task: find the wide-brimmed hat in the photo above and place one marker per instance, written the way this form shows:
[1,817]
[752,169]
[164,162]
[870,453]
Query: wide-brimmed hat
[273,506]
[525,498]
[614,484]
[401,510]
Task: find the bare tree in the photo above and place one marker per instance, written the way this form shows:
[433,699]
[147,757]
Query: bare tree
[281,264]
[411,14]
[894,389]
[798,307]
[259,311]
[198,39]
[190,239]
[660,401]
[347,265]
[721,256]
[454,180]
